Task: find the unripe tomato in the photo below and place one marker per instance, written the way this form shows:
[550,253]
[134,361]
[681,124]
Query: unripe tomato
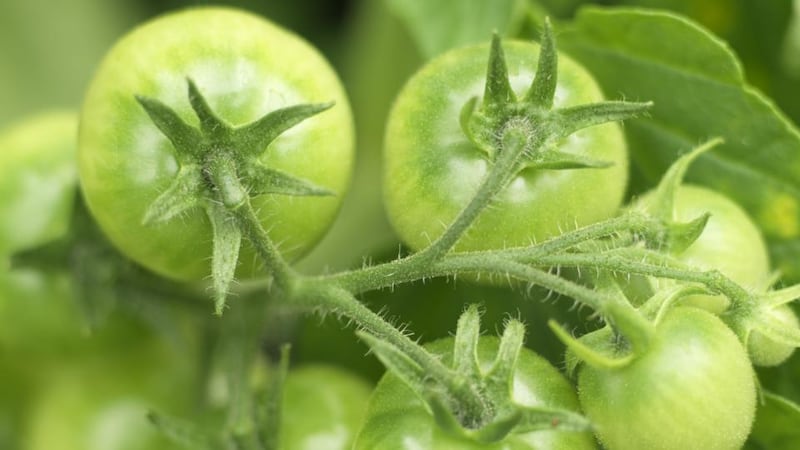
[323,406]
[693,388]
[245,67]
[432,169]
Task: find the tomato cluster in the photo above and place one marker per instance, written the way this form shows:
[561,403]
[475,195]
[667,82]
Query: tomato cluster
[212,143]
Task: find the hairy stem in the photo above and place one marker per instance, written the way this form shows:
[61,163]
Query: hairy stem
[416,267]
[501,170]
[251,227]
[331,298]
[655,265]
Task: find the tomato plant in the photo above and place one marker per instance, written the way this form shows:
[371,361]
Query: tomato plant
[433,168]
[215,146]
[245,67]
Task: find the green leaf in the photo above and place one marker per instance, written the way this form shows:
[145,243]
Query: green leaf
[440,25]
[777,425]
[699,91]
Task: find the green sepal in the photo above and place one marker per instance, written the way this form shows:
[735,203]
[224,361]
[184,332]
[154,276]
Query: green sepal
[535,126]
[498,428]
[254,137]
[543,88]
[500,377]
[263,180]
[186,139]
[681,236]
[465,348]
[663,300]
[584,352]
[210,124]
[397,362]
[662,203]
[227,239]
[621,315]
[781,296]
[574,118]
[465,118]
[676,236]
[557,160]
[497,93]
[183,433]
[180,197]
[542,419]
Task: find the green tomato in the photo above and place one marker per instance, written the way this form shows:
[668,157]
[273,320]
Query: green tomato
[100,400]
[398,419]
[730,243]
[245,66]
[322,408]
[432,169]
[692,388]
[37,179]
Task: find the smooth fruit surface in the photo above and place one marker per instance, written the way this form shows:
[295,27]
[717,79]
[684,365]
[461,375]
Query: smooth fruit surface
[432,169]
[693,388]
[245,67]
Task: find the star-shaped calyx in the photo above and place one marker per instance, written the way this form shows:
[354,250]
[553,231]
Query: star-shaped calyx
[220,169]
[500,414]
[529,127]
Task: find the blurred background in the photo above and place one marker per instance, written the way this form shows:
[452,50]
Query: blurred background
[53,373]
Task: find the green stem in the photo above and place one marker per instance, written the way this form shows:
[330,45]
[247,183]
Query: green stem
[501,170]
[416,267]
[331,298]
[654,265]
[251,227]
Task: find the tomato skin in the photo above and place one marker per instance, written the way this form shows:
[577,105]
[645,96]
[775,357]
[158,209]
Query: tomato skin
[694,388]
[731,242]
[398,419]
[323,406]
[245,67]
[432,169]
